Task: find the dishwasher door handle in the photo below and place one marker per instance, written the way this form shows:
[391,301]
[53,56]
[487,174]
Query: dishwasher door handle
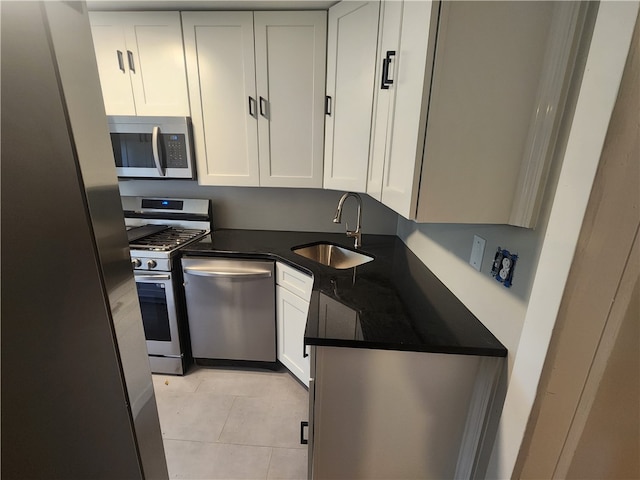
[231,273]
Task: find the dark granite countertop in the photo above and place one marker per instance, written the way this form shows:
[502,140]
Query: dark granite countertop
[391,303]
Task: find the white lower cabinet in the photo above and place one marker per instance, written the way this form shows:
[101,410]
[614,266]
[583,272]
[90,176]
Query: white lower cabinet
[291,312]
[292,319]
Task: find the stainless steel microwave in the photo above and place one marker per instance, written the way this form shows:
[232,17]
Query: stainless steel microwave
[152,147]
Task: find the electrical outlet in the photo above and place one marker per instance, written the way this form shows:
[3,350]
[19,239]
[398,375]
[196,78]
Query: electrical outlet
[477,252]
[504,263]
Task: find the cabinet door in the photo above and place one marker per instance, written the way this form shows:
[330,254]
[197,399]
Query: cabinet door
[290,78]
[221,69]
[405,56]
[108,33]
[389,37]
[141,63]
[157,68]
[405,137]
[351,59]
[291,312]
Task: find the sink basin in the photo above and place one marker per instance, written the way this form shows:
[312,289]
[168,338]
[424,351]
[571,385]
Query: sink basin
[332,255]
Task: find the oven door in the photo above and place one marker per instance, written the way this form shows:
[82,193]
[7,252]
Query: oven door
[159,318]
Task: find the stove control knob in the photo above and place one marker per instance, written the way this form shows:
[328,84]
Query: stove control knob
[151,264]
[135,262]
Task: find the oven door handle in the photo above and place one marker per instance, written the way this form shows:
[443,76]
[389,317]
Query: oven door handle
[155,138]
[153,277]
[233,273]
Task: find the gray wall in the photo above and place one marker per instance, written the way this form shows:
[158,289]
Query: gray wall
[446,248]
[457,239]
[254,208]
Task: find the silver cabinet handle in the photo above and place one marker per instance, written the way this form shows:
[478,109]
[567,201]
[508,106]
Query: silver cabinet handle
[121,61]
[236,273]
[155,137]
[131,64]
[152,277]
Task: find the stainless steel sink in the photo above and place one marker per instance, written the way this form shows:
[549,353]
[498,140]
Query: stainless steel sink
[332,255]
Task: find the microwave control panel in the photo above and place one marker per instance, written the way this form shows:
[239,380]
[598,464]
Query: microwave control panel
[176,150]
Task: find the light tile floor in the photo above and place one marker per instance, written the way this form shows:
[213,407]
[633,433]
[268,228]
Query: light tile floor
[226,423]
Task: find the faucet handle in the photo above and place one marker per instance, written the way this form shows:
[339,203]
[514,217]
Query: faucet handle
[355,234]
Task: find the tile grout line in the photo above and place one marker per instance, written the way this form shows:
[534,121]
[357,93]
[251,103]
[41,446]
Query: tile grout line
[272,459]
[266,477]
[226,419]
[199,383]
[271,447]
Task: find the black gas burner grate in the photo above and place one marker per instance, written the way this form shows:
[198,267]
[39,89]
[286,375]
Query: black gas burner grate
[166,240]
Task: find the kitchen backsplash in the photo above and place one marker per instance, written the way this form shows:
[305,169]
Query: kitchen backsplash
[272,208]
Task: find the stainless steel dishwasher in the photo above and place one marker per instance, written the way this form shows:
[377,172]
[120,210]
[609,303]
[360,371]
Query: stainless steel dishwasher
[231,308]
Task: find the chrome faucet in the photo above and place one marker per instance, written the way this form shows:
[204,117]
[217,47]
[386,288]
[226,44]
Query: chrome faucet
[338,218]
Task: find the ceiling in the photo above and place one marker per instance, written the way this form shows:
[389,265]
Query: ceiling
[210,4]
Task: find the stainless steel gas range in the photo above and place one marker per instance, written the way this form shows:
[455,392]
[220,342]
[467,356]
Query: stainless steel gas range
[157,229]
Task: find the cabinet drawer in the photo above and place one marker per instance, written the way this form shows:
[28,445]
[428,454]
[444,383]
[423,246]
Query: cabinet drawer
[294,280]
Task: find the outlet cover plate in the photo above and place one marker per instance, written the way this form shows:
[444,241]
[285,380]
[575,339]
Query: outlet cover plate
[477,252]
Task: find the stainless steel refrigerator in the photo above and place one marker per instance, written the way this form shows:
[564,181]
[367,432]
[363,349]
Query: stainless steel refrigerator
[77,395]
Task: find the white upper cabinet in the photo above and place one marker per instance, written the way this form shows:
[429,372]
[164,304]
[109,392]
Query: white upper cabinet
[351,59]
[408,107]
[221,69]
[141,62]
[488,66]
[386,71]
[405,56]
[257,111]
[468,105]
[112,58]
[290,79]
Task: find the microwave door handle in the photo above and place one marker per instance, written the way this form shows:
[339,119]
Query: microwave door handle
[155,138]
